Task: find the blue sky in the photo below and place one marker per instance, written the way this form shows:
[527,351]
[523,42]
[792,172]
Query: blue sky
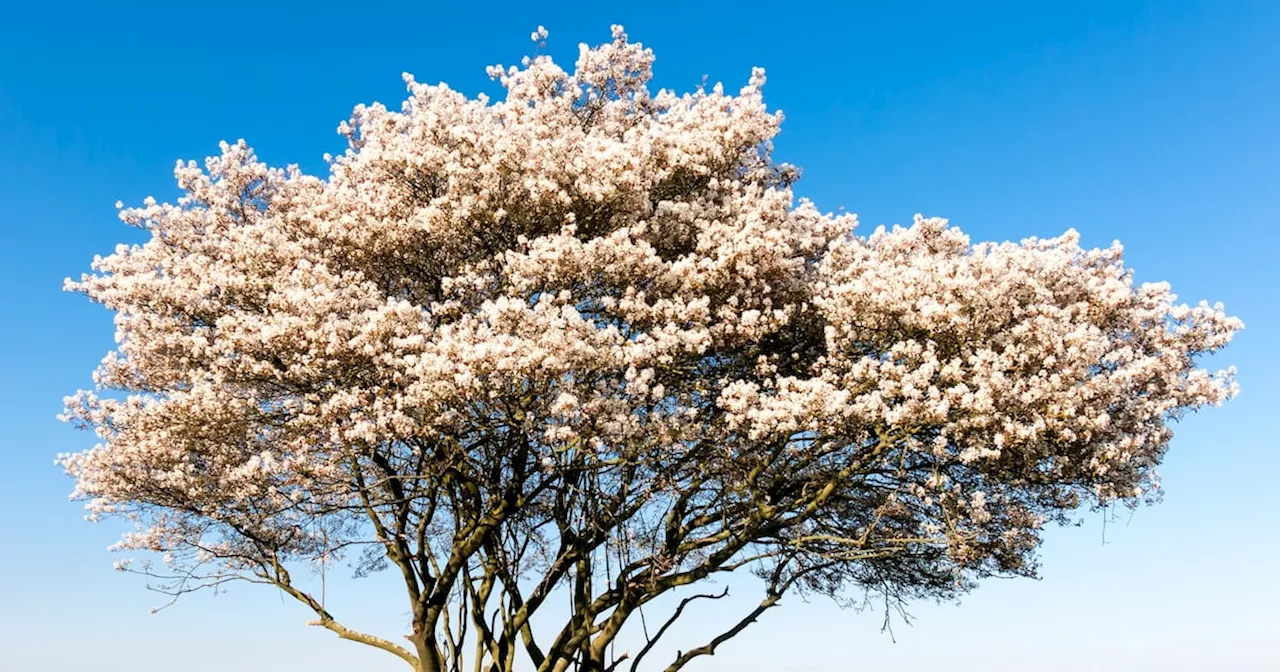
[1152,123]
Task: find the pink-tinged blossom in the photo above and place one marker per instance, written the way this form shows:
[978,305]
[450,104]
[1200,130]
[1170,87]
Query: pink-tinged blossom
[615,276]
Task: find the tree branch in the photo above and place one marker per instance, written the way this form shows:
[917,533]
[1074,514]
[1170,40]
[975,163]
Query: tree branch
[648,646]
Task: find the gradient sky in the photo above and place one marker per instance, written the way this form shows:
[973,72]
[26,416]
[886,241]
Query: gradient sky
[1153,123]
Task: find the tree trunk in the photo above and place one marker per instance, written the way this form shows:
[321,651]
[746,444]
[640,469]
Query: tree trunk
[429,659]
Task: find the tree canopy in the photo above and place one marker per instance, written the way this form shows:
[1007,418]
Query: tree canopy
[585,340]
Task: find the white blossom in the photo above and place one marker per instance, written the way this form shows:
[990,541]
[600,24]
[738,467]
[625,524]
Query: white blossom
[606,272]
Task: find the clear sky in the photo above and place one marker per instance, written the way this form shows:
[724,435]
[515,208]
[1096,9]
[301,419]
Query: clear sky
[1154,123]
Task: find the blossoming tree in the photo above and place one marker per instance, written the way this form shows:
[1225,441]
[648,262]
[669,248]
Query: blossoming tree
[585,342]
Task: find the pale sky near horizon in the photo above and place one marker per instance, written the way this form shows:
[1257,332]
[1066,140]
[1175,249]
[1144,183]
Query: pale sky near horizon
[1155,123]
